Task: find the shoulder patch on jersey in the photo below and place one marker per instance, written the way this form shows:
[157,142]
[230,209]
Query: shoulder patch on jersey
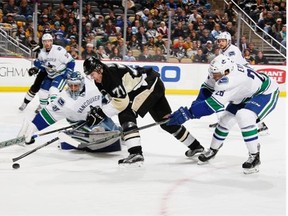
[61,101]
[231,53]
[59,48]
[223,80]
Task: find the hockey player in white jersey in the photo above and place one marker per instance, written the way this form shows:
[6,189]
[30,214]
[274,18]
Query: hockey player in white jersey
[250,96]
[57,62]
[73,104]
[224,41]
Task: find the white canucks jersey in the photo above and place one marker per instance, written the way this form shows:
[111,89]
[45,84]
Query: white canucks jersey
[240,84]
[64,107]
[57,58]
[234,54]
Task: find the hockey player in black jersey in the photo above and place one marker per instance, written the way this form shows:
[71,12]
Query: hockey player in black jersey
[133,93]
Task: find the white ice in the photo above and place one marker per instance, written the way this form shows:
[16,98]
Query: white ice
[56,182]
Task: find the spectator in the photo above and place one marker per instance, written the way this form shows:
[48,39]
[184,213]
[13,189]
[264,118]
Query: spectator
[101,53]
[99,25]
[108,48]
[252,49]
[206,36]
[158,57]
[281,36]
[216,31]
[115,55]
[210,23]
[243,44]
[277,27]
[61,10]
[88,51]
[200,57]
[133,43]
[59,35]
[145,56]
[142,37]
[208,50]
[110,28]
[129,56]
[260,59]
[151,43]
[162,29]
[249,58]
[10,8]
[178,31]
[151,31]
[21,36]
[25,9]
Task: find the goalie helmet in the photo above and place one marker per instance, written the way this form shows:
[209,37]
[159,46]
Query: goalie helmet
[92,64]
[220,64]
[225,36]
[75,83]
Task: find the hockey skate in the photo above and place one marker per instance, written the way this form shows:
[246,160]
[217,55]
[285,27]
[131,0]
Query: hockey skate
[136,159]
[262,129]
[252,164]
[194,148]
[23,106]
[206,156]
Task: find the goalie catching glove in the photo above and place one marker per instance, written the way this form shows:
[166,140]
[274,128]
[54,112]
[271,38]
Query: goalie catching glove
[95,116]
[33,71]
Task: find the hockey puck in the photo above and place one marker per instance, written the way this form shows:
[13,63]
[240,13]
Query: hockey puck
[16,166]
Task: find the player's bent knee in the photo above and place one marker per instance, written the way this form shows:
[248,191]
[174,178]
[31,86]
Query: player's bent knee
[227,120]
[130,130]
[246,118]
[170,128]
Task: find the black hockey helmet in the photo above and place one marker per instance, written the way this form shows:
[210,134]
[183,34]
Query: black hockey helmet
[92,64]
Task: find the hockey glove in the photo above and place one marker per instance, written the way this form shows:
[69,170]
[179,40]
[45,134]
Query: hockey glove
[33,71]
[95,116]
[180,116]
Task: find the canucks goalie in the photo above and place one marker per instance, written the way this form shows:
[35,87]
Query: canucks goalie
[79,99]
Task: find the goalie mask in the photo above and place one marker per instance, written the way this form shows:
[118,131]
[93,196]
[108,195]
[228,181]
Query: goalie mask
[75,83]
[92,64]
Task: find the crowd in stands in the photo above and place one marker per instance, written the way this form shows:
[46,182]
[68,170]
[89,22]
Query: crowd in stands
[193,33]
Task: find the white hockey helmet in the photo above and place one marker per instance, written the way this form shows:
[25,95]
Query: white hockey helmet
[225,36]
[75,83]
[220,64]
[47,36]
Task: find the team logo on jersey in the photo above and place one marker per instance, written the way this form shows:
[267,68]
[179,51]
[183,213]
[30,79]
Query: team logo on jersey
[61,101]
[231,53]
[223,80]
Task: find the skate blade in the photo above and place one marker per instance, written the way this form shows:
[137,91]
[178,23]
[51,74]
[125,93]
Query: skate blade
[263,133]
[131,165]
[252,170]
[202,163]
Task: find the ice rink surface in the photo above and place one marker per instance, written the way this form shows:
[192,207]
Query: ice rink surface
[56,182]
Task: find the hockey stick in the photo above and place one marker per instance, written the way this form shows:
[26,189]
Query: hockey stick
[43,145]
[118,134]
[21,139]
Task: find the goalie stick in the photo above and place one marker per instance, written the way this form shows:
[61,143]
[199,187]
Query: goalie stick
[115,134]
[45,144]
[19,140]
